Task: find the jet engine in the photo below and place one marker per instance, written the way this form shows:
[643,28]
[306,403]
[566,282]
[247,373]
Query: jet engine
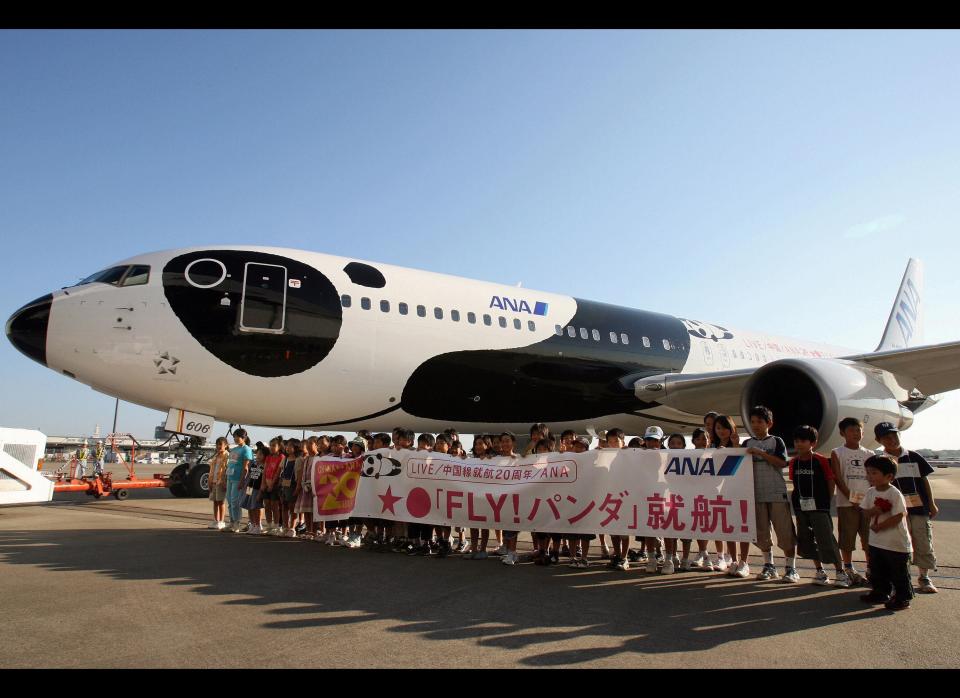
[821,392]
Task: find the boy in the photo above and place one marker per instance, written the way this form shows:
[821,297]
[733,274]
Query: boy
[510,557]
[890,546]
[653,439]
[621,544]
[770,497]
[701,440]
[813,488]
[912,472]
[847,462]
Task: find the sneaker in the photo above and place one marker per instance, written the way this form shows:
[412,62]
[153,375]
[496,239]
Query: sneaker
[842,580]
[605,553]
[236,526]
[676,561]
[254,530]
[301,528]
[707,565]
[874,598]
[618,564]
[925,586]
[642,557]
[742,570]
[221,525]
[821,578]
[791,577]
[721,564]
[554,558]
[700,562]
[897,604]
[212,524]
[733,567]
[509,559]
[502,550]
[339,539]
[633,556]
[768,573]
[668,567]
[479,555]
[466,549]
[651,566]
[290,533]
[685,565]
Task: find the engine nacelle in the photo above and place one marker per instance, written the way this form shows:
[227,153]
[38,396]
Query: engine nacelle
[821,392]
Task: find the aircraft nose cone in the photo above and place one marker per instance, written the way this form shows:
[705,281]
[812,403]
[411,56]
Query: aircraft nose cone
[27,328]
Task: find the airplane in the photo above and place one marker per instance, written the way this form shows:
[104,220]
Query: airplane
[287,338]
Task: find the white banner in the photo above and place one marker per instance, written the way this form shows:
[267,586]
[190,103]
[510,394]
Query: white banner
[666,493]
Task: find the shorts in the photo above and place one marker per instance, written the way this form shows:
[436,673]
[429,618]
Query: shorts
[778,514]
[287,495]
[815,539]
[921,533]
[851,521]
[218,491]
[270,495]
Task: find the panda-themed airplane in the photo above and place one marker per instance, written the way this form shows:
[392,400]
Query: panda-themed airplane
[286,338]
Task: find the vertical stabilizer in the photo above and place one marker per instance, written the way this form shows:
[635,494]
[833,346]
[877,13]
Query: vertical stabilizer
[905,324]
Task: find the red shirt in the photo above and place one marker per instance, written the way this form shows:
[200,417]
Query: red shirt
[271,463]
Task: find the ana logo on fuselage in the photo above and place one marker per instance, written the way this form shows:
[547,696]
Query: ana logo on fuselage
[518,306]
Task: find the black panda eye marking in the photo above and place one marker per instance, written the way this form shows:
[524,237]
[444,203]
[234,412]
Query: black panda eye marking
[365,275]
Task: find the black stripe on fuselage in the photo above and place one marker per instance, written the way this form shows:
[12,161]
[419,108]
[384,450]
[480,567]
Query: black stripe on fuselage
[559,379]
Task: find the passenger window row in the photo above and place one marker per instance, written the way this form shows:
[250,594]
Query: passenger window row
[346,301]
[615,338]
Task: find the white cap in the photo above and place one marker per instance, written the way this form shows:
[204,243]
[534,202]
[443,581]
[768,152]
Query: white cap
[654,433]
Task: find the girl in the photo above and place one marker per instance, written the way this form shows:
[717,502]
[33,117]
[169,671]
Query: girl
[299,476]
[271,486]
[287,488]
[546,554]
[726,437]
[252,479]
[478,539]
[304,505]
[218,482]
[709,422]
[240,457]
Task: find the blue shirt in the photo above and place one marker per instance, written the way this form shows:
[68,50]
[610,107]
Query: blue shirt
[238,454]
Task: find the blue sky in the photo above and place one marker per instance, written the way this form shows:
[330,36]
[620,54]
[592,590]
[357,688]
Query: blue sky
[774,180]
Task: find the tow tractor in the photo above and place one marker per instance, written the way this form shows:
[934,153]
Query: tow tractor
[189,479]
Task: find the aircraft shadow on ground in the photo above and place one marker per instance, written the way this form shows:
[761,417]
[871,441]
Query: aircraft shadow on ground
[524,608]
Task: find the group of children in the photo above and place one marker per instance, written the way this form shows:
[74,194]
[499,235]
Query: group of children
[884,498]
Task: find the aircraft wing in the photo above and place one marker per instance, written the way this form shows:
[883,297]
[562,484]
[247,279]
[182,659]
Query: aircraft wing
[694,393]
[930,369]
[933,369]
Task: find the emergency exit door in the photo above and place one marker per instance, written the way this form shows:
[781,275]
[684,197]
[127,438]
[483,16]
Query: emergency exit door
[264,304]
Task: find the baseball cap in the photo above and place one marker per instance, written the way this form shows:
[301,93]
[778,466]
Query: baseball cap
[884,428]
[653,433]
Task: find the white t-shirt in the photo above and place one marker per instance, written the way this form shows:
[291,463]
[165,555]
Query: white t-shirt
[897,538]
[854,474]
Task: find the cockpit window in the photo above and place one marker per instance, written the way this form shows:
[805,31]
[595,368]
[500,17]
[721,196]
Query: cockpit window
[107,276]
[138,275]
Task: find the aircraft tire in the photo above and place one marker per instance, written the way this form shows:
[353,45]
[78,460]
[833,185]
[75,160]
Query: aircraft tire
[197,481]
[178,476]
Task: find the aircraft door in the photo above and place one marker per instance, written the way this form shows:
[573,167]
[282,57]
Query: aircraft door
[264,302]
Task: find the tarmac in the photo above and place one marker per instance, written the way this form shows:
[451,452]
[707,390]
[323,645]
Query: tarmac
[144,583]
